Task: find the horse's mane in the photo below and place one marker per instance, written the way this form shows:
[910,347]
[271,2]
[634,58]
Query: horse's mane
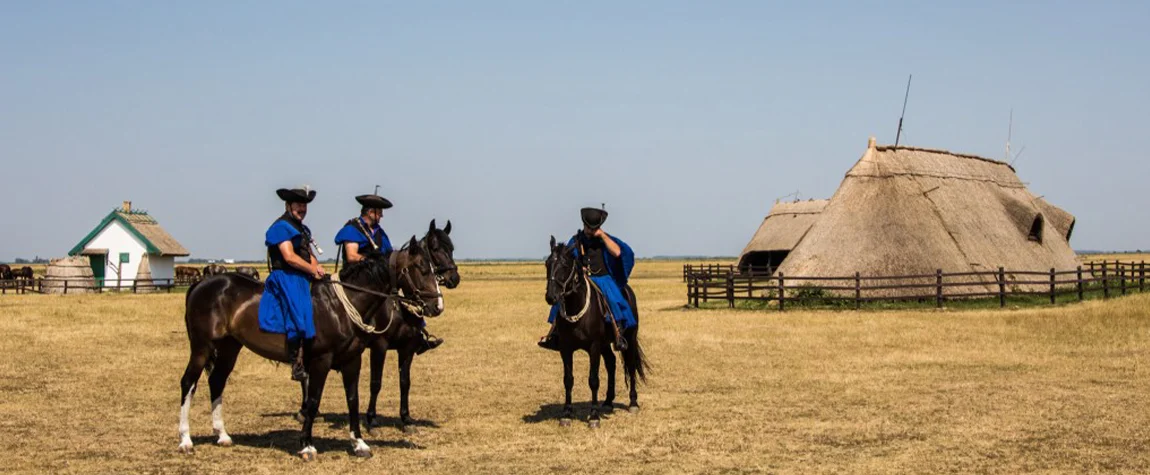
[443,238]
[372,268]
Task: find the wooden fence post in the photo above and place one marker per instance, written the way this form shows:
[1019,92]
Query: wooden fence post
[1001,287]
[694,289]
[782,292]
[1079,283]
[858,291]
[1091,269]
[65,286]
[751,285]
[1105,282]
[1122,277]
[1142,276]
[730,289]
[938,288]
[1052,286]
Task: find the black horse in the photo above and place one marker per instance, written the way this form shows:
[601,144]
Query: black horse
[582,325]
[222,317]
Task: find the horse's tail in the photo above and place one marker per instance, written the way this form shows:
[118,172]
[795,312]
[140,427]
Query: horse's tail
[634,358]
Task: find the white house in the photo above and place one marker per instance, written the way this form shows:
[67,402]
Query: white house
[129,243]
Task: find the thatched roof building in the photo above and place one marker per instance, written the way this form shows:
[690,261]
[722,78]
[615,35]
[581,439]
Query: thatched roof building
[910,211]
[782,230]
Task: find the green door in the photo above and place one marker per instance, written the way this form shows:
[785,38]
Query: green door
[98,265]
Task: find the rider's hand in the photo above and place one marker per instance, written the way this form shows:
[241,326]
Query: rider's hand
[319,272]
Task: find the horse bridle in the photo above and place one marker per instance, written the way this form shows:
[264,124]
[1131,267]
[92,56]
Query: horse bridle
[565,289]
[417,295]
[443,269]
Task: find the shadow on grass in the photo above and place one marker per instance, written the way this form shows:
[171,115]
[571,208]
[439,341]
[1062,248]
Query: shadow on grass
[287,441]
[554,412]
[339,421]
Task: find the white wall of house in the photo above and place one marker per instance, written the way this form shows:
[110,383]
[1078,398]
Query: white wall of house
[118,240]
[163,267]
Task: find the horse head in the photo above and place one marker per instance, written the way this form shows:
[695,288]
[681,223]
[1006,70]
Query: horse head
[438,244]
[562,272]
[415,276]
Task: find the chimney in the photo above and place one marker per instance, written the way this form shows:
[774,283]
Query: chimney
[127,206]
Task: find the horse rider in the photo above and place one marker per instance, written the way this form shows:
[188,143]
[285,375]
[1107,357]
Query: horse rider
[608,261]
[364,235]
[286,305]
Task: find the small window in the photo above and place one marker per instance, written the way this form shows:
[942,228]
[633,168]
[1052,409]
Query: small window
[1036,229]
[124,258]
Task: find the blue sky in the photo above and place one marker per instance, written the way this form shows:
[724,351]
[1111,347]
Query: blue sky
[687,118]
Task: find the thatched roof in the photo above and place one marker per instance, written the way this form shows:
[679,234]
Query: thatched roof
[141,225]
[909,211]
[784,226]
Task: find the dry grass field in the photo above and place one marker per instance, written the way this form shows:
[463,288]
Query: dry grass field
[90,383]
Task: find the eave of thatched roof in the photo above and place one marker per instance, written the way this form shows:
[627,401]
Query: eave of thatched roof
[784,226]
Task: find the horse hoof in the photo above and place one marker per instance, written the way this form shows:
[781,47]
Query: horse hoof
[186,448]
[224,441]
[593,423]
[633,409]
[361,449]
[308,454]
[564,422]
[300,418]
[607,407]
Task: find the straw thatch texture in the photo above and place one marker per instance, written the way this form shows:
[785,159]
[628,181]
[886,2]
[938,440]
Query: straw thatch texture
[910,211]
[153,232]
[783,228]
[144,275]
[76,270]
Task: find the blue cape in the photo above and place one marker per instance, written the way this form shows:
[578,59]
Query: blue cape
[619,267]
[350,233]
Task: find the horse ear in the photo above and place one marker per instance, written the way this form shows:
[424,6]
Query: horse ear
[413,242]
[552,242]
[432,228]
[447,229]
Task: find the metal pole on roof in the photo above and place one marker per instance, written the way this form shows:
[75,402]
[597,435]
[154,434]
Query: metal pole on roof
[904,99]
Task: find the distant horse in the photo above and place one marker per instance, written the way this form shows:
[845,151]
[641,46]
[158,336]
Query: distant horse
[582,325]
[5,272]
[407,337]
[24,273]
[214,269]
[248,271]
[187,274]
[222,316]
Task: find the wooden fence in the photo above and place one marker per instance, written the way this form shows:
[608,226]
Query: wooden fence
[718,282]
[43,285]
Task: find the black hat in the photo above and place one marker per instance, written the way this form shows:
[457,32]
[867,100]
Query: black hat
[373,201]
[593,217]
[296,195]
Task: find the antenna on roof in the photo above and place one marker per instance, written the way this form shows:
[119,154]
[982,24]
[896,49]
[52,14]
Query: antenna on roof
[904,99]
[1009,133]
[376,192]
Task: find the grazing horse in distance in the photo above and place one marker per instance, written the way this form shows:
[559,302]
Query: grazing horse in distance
[214,269]
[5,272]
[187,274]
[248,271]
[582,325]
[24,273]
[222,317]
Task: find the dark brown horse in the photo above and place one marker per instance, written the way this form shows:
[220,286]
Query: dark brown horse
[582,325]
[214,269]
[24,273]
[248,271]
[222,318]
[407,337]
[5,272]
